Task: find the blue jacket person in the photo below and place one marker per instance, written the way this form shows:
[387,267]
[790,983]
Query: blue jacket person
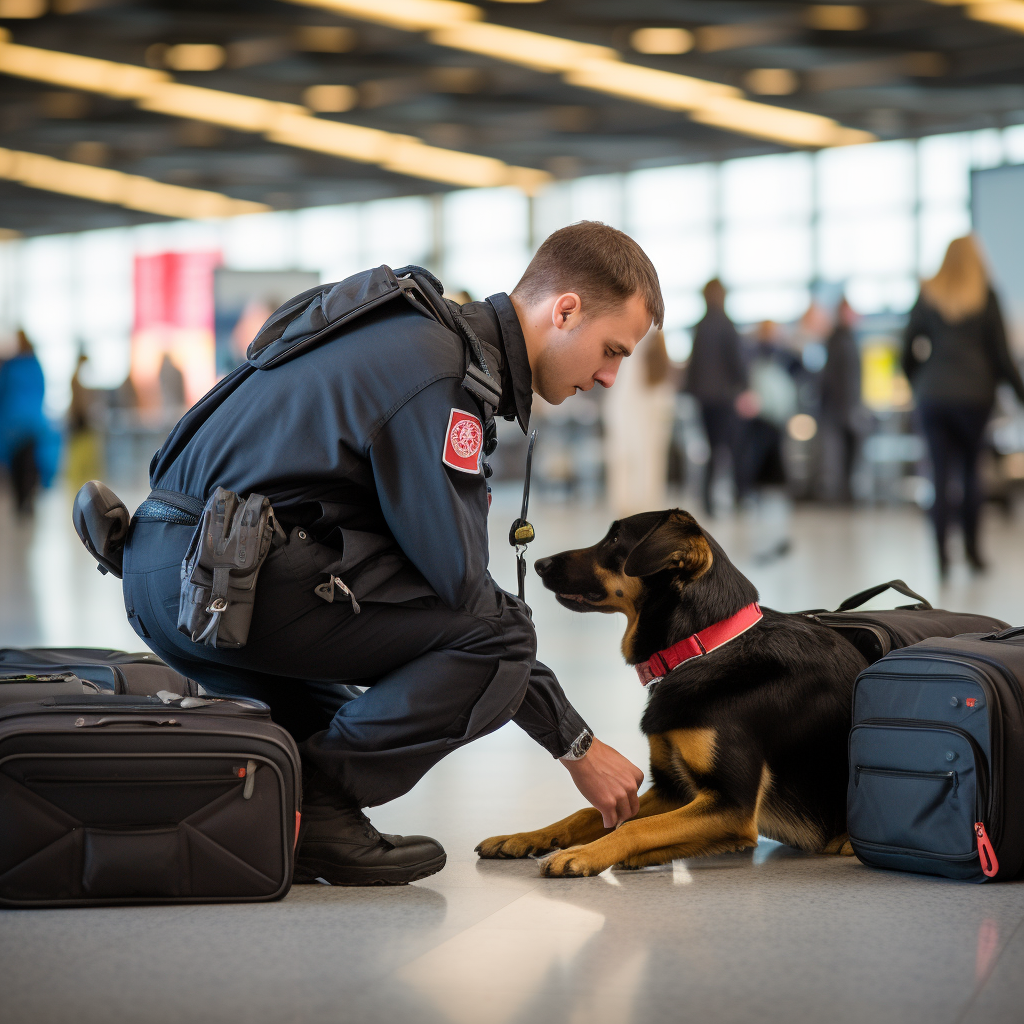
[377,636]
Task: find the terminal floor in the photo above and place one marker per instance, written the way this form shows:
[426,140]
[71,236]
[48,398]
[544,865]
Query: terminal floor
[770,935]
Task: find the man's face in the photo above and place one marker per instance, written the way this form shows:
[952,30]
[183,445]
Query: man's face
[570,351]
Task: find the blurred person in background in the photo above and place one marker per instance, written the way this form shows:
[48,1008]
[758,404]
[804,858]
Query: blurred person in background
[28,446]
[717,378]
[771,374]
[954,354]
[84,458]
[638,414]
[842,412]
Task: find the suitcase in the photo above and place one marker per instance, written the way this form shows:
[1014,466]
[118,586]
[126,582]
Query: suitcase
[114,671]
[937,758]
[876,633]
[115,799]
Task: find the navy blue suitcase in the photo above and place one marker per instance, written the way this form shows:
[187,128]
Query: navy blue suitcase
[937,758]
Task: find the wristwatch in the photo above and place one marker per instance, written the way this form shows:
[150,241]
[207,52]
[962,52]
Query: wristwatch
[579,746]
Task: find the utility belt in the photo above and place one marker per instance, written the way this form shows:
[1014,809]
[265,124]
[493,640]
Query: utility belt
[232,540]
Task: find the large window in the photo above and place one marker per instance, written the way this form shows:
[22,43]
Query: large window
[777,229]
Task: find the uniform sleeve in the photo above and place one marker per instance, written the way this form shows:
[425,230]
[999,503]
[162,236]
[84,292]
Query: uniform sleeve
[546,714]
[437,514]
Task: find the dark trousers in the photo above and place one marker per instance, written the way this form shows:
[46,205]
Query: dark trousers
[24,477]
[720,425]
[435,678]
[955,433]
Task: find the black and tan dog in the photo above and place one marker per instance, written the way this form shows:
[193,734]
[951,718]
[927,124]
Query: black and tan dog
[746,739]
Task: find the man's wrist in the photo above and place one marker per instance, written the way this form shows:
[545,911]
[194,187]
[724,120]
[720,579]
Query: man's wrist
[579,747]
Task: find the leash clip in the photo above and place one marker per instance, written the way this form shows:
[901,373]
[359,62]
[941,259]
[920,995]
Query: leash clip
[522,532]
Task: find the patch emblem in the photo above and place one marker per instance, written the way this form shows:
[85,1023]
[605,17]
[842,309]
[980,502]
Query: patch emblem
[463,441]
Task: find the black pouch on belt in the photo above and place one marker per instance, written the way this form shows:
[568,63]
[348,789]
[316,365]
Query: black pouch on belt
[220,568]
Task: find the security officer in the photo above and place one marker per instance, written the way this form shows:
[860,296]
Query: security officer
[377,636]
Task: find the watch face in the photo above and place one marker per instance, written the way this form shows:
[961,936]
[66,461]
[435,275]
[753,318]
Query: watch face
[582,745]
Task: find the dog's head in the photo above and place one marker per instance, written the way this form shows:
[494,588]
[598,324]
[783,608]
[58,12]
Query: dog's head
[660,569]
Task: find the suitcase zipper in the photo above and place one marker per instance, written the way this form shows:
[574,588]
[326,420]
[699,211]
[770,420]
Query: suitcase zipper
[899,773]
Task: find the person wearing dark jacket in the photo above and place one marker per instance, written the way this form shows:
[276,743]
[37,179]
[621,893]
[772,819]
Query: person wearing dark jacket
[840,405]
[717,377]
[954,354]
[378,637]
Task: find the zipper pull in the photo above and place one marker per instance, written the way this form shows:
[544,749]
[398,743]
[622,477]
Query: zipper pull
[986,854]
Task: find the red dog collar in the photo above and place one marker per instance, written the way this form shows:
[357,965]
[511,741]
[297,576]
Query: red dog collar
[662,662]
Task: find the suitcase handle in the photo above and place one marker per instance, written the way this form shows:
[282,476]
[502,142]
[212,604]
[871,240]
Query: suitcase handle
[124,720]
[898,585]
[1005,634]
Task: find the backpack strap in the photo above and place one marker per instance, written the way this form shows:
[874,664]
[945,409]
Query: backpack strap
[898,585]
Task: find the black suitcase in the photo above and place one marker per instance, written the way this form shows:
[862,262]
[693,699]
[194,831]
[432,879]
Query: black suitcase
[113,671]
[937,758]
[876,633]
[112,799]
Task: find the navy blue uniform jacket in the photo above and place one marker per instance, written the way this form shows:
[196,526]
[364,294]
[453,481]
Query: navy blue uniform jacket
[347,440]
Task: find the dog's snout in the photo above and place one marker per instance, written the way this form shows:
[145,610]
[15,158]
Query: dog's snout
[542,565]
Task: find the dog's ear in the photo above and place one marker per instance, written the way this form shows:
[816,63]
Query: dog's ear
[675,543]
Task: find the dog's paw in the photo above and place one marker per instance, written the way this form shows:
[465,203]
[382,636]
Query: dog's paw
[846,850]
[570,864]
[522,844]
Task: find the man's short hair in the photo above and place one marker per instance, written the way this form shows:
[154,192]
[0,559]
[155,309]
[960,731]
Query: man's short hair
[602,265]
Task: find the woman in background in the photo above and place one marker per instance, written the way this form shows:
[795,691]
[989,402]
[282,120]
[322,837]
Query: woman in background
[638,414]
[954,354]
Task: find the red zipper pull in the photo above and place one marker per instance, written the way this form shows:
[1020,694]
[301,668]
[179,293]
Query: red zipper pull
[986,854]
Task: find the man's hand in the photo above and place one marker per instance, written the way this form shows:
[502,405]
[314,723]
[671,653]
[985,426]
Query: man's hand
[608,781]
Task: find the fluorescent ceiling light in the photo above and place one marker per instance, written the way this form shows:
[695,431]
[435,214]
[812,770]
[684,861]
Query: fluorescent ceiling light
[648,85]
[409,15]
[103,185]
[285,123]
[1005,13]
[661,40]
[779,124]
[531,49]
[598,68]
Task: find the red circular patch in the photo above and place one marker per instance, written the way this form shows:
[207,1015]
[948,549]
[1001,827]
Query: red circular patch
[465,437]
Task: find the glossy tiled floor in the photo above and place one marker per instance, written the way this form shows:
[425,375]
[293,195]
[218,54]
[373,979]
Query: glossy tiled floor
[770,935]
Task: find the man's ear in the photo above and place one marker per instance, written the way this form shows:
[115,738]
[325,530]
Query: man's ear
[565,311]
[675,543]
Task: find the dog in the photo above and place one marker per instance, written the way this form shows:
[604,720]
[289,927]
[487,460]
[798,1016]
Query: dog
[746,739]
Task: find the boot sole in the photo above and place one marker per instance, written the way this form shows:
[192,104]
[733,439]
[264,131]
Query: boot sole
[310,869]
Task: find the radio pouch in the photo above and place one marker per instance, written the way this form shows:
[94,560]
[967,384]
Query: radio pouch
[220,568]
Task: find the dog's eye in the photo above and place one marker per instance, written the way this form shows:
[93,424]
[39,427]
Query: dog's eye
[614,538]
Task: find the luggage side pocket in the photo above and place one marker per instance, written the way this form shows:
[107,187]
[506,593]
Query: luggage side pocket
[915,792]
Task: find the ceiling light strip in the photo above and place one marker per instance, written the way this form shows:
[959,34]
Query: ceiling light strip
[133,191]
[598,68]
[285,123]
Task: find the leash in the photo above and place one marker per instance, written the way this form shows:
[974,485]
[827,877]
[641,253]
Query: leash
[521,532]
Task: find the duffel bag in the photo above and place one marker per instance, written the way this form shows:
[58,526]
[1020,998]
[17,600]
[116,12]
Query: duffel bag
[114,799]
[113,671]
[877,632]
[937,758]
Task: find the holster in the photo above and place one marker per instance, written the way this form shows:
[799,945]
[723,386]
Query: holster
[221,566]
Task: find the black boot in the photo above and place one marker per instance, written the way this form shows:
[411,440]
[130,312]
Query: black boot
[338,844]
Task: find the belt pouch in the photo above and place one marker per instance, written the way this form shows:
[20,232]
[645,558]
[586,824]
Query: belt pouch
[219,571]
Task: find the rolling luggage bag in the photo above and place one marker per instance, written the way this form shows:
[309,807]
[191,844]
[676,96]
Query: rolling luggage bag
[937,758]
[113,799]
[113,671]
[877,632]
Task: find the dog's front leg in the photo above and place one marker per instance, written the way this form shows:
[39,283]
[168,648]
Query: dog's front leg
[582,827]
[704,826]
